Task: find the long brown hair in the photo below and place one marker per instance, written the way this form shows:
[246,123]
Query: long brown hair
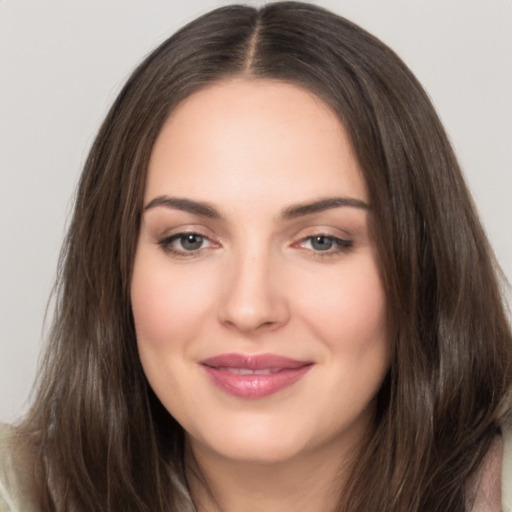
[102,441]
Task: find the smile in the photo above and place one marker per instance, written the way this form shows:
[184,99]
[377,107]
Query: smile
[254,377]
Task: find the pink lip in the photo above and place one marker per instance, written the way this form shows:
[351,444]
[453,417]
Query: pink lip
[232,373]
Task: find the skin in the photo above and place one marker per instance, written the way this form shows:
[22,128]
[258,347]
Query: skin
[260,284]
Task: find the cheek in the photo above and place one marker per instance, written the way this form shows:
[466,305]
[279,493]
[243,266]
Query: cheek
[349,315]
[169,310]
[167,306]
[348,310]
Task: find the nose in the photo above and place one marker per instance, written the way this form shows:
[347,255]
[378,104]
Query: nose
[253,299]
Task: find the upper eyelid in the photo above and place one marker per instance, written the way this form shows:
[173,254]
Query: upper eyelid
[324,235]
[294,234]
[183,230]
[300,235]
[171,237]
[176,236]
[325,230]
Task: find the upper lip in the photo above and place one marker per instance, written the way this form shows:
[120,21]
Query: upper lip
[254,362]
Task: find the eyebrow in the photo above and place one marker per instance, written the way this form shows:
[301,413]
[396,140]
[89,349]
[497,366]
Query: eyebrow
[320,205]
[205,209]
[186,205]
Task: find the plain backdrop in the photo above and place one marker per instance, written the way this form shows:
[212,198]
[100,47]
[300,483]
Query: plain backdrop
[63,61]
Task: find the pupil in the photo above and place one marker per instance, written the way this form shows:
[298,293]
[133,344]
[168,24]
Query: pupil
[191,242]
[321,243]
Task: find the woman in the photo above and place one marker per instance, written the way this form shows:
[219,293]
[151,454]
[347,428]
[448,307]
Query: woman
[275,293]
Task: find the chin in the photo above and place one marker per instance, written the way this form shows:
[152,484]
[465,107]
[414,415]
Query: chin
[248,437]
[255,449]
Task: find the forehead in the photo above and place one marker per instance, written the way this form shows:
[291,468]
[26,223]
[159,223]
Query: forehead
[253,137]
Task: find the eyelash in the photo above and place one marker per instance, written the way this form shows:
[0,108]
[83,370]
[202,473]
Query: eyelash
[339,245]
[167,247]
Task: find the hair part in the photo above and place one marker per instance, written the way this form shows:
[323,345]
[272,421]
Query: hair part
[101,437]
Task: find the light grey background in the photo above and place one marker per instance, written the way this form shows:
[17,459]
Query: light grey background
[62,62]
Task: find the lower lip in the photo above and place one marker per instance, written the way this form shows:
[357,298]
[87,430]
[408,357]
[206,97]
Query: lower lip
[255,385]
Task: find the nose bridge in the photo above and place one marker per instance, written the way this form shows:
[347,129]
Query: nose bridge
[253,298]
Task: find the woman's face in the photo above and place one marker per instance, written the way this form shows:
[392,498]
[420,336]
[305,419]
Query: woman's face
[258,305]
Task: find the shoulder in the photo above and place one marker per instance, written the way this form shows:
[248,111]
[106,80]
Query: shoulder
[493,481]
[506,471]
[16,479]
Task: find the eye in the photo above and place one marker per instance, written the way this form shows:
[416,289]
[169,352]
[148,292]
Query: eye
[325,244]
[321,243]
[190,241]
[185,244]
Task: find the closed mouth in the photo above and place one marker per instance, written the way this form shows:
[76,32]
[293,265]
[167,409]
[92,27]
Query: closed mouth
[254,376]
